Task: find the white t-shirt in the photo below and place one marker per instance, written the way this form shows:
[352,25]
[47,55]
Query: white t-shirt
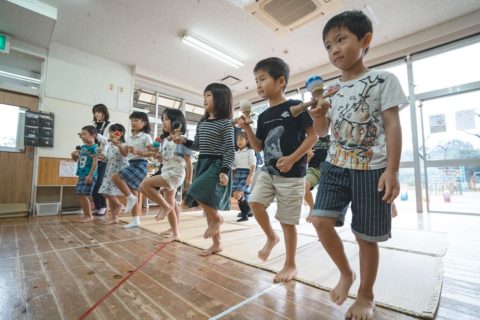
[139,141]
[358,136]
[245,158]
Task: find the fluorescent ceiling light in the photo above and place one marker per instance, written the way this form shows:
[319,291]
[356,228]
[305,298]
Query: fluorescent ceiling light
[208,49]
[18,77]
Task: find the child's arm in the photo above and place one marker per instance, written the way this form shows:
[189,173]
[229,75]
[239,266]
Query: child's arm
[228,153]
[89,178]
[189,170]
[285,164]
[255,143]
[121,147]
[393,136]
[320,120]
[253,164]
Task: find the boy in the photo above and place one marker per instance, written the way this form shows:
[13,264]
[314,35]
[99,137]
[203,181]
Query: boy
[284,141]
[364,121]
[315,157]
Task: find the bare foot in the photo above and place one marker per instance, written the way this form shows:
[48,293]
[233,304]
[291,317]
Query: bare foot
[167,232]
[113,221]
[340,293]
[394,210]
[87,219]
[213,249]
[362,308]
[171,238]
[162,213]
[213,228]
[267,249]
[285,275]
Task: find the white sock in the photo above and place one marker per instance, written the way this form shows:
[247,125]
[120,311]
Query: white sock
[135,223]
[131,202]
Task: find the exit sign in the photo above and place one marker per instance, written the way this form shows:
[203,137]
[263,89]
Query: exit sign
[4,43]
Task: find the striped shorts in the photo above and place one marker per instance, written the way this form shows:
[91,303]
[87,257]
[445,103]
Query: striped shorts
[338,187]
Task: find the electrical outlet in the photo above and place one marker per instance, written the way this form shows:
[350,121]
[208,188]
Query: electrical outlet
[111,86]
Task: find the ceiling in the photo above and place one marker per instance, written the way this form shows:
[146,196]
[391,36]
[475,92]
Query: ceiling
[146,34]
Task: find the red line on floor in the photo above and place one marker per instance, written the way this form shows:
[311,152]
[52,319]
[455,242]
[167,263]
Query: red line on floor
[109,293]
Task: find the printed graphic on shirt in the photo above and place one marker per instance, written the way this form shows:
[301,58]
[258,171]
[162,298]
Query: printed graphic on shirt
[356,126]
[273,148]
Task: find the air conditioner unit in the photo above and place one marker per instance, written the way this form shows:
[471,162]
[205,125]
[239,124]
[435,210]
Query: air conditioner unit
[283,16]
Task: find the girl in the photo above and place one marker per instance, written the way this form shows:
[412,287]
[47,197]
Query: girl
[129,178]
[86,170]
[245,163]
[115,162]
[101,121]
[214,139]
[176,159]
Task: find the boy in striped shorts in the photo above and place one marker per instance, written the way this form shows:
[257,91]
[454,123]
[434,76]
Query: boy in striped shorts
[364,120]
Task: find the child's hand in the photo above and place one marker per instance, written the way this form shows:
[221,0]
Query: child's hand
[75,155]
[88,179]
[131,150]
[249,180]
[310,155]
[284,164]
[389,182]
[116,142]
[179,140]
[320,112]
[242,122]
[223,179]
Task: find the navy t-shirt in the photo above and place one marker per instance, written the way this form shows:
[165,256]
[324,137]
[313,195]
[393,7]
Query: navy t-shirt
[320,150]
[281,135]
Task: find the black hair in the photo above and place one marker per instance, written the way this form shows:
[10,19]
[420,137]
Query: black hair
[174,115]
[354,21]
[91,130]
[141,116]
[222,101]
[242,134]
[118,127]
[103,109]
[275,67]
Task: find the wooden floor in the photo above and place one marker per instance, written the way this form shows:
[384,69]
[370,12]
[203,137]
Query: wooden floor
[55,268]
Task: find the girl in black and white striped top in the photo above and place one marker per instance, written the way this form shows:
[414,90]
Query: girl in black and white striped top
[214,138]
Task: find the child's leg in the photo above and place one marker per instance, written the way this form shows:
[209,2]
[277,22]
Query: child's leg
[216,245]
[364,306]
[148,189]
[125,189]
[308,199]
[87,210]
[172,217]
[332,243]
[289,270]
[136,211]
[261,215]
[214,221]
[115,209]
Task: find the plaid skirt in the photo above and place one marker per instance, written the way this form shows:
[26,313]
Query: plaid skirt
[205,187]
[239,180]
[134,173]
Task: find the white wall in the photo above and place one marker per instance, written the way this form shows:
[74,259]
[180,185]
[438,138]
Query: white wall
[84,78]
[70,117]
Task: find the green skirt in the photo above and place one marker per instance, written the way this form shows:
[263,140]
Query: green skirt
[205,187]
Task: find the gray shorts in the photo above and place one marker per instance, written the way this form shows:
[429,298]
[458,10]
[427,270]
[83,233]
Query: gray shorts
[289,193]
[338,187]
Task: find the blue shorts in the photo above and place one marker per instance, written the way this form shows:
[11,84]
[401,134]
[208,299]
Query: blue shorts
[83,188]
[134,173]
[338,187]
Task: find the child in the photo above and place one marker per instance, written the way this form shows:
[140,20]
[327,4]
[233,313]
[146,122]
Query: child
[245,163]
[365,125]
[86,170]
[314,158]
[115,161]
[176,159]
[284,141]
[211,187]
[129,178]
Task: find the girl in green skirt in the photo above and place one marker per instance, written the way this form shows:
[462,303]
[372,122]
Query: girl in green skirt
[214,139]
